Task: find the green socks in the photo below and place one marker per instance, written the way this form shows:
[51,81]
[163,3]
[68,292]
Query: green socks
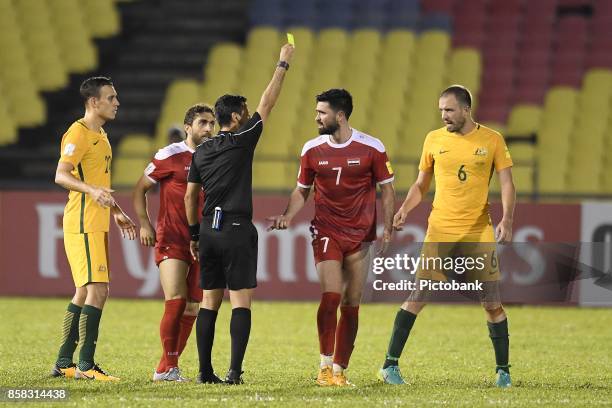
[401,329]
[70,336]
[501,344]
[88,336]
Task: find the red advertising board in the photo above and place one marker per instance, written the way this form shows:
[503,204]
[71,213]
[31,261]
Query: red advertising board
[33,262]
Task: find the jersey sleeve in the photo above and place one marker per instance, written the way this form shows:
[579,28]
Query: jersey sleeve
[158,169]
[194,175]
[502,157]
[381,166]
[306,174]
[74,146]
[427,160]
[251,131]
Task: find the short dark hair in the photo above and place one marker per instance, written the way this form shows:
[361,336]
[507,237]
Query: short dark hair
[463,95]
[226,105]
[339,100]
[197,109]
[90,88]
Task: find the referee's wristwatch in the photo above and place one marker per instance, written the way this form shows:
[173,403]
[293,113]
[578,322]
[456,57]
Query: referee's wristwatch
[283,64]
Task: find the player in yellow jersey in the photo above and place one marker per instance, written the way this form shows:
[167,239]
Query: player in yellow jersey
[462,156]
[84,169]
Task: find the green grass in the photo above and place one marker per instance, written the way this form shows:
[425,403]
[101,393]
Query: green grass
[560,357]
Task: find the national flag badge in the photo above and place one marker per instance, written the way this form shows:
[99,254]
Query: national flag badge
[389,168]
[353,162]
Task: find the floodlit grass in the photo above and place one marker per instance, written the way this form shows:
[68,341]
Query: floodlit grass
[559,357]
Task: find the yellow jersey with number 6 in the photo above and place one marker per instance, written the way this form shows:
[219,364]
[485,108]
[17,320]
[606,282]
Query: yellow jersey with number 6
[462,166]
[91,155]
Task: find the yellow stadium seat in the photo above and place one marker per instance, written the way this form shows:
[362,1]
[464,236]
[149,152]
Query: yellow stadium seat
[464,68]
[552,175]
[77,49]
[43,55]
[180,96]
[405,175]
[136,146]
[101,16]
[524,120]
[522,152]
[598,81]
[126,171]
[523,179]
[8,129]
[559,108]
[273,175]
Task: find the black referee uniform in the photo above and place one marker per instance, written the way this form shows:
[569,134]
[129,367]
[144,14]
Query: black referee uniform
[224,167]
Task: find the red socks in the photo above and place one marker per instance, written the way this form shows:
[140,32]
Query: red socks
[326,321]
[169,333]
[346,334]
[184,331]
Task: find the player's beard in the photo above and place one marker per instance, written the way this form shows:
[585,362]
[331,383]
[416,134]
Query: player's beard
[456,126]
[329,129]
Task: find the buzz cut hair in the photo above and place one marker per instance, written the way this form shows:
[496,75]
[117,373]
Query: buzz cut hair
[461,93]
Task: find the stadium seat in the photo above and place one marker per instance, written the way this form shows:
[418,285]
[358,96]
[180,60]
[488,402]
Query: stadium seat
[524,120]
[522,176]
[465,69]
[8,129]
[136,146]
[126,171]
[405,175]
[523,153]
[180,95]
[43,55]
[101,16]
[78,52]
[274,175]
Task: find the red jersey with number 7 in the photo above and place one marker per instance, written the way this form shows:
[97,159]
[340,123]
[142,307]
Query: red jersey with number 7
[344,178]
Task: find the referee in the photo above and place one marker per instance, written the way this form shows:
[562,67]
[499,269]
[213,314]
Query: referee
[222,167]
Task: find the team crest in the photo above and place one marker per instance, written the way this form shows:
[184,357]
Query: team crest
[102,268]
[481,151]
[353,162]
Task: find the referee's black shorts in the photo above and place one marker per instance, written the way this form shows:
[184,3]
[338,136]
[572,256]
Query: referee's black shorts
[228,258]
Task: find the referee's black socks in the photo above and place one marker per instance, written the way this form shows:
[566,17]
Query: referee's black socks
[240,329]
[205,335]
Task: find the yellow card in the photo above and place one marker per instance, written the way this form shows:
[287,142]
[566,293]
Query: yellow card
[290,39]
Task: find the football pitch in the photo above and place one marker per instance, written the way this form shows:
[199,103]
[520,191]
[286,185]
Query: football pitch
[560,357]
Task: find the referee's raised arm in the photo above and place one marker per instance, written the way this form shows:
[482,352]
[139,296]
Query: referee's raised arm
[270,95]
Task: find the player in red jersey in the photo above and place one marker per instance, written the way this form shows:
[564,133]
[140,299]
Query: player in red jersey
[179,273]
[344,165]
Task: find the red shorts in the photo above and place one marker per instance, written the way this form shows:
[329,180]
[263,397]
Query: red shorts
[327,247]
[193,272]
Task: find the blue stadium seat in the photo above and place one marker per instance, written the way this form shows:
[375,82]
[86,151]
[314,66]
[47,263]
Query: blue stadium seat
[302,13]
[403,14]
[267,13]
[436,21]
[371,14]
[338,13]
